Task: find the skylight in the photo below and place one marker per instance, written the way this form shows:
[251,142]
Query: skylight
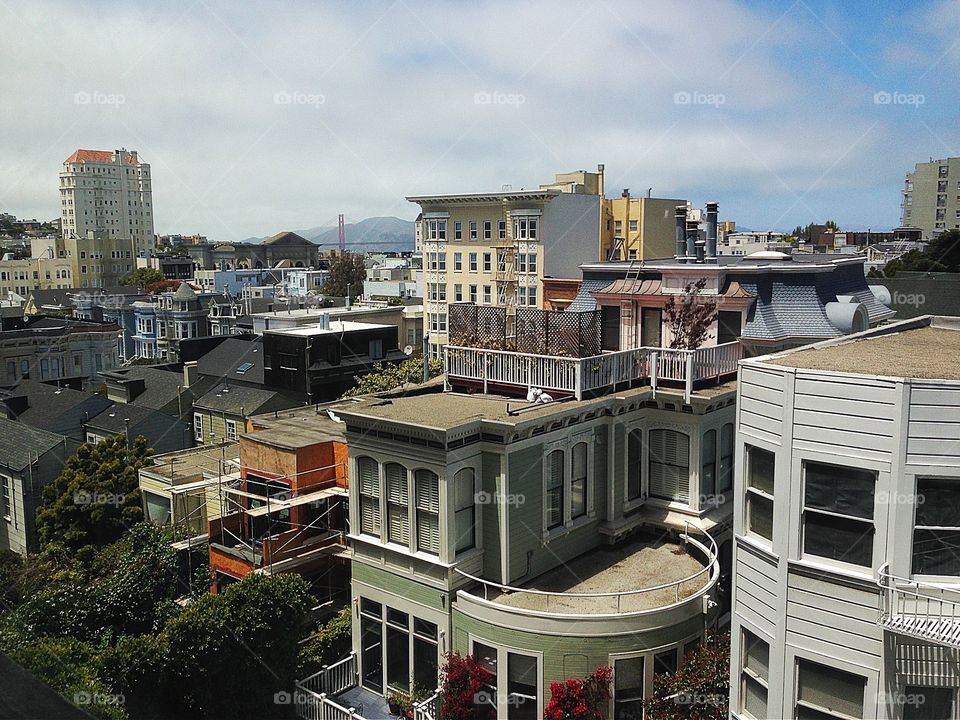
[243,367]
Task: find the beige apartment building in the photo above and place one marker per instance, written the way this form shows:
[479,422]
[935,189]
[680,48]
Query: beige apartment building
[497,248]
[40,272]
[931,197]
[107,192]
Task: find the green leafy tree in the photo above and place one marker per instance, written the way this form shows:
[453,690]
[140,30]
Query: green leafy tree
[942,255]
[699,690]
[385,376]
[346,270]
[142,277]
[96,497]
[229,654]
[690,316]
[327,645]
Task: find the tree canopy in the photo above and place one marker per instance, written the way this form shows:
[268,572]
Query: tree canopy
[346,270]
[942,255]
[384,376]
[96,497]
[699,689]
[142,277]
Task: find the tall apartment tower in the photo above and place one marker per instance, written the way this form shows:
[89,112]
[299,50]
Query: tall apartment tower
[109,193]
[931,197]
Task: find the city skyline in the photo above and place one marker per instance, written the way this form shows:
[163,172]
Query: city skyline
[784,113]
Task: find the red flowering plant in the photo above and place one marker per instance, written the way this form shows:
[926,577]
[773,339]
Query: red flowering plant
[465,683]
[699,689]
[580,697]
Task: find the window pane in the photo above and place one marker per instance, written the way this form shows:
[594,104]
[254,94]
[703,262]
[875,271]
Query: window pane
[830,688]
[398,658]
[371,653]
[726,458]
[936,552]
[760,469]
[628,688]
[669,465]
[665,662]
[940,505]
[708,456]
[838,538]
[424,664]
[756,655]
[634,458]
[844,490]
[760,515]
[926,703]
[578,498]
[754,698]
[521,687]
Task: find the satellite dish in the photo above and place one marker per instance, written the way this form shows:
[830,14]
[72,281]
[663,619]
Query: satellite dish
[408,350]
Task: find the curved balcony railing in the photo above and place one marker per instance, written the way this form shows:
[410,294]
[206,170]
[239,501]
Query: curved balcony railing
[922,609]
[640,601]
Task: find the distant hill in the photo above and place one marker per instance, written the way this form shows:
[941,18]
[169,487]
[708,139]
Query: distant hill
[370,234]
[377,233]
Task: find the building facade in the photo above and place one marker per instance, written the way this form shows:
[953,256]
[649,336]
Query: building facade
[496,248]
[846,549]
[931,197]
[109,193]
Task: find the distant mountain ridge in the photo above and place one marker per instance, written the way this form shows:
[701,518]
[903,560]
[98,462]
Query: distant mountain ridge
[367,235]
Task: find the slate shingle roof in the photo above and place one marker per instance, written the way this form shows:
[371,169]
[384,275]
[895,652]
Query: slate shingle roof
[20,444]
[236,398]
[229,355]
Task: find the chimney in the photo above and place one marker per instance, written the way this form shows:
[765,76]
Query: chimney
[189,373]
[712,210]
[625,193]
[680,217]
[325,321]
[693,233]
[600,173]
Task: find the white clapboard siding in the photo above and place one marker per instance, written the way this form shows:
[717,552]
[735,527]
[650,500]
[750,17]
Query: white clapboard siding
[933,428]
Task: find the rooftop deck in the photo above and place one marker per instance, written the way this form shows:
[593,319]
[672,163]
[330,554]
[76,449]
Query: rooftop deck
[638,578]
[609,579]
[580,377]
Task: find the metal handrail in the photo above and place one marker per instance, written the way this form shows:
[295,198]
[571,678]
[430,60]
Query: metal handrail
[711,568]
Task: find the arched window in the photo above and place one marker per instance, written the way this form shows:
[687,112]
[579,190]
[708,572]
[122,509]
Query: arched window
[369,476]
[669,465]
[634,467]
[428,511]
[464,510]
[554,495]
[398,517]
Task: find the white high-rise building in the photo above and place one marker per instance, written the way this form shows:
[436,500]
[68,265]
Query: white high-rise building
[107,192]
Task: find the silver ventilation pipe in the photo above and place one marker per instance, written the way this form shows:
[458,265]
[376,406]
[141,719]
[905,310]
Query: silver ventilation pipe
[693,233]
[712,211]
[680,218]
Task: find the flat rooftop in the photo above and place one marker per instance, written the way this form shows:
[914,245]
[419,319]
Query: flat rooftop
[186,464]
[299,427]
[929,352]
[336,326]
[639,564]
[447,410]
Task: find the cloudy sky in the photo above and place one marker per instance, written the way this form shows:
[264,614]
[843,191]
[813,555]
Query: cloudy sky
[258,117]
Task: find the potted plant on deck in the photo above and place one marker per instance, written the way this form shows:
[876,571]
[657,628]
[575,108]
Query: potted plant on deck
[397,701]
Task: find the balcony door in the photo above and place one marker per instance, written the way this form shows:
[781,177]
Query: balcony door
[651,322]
